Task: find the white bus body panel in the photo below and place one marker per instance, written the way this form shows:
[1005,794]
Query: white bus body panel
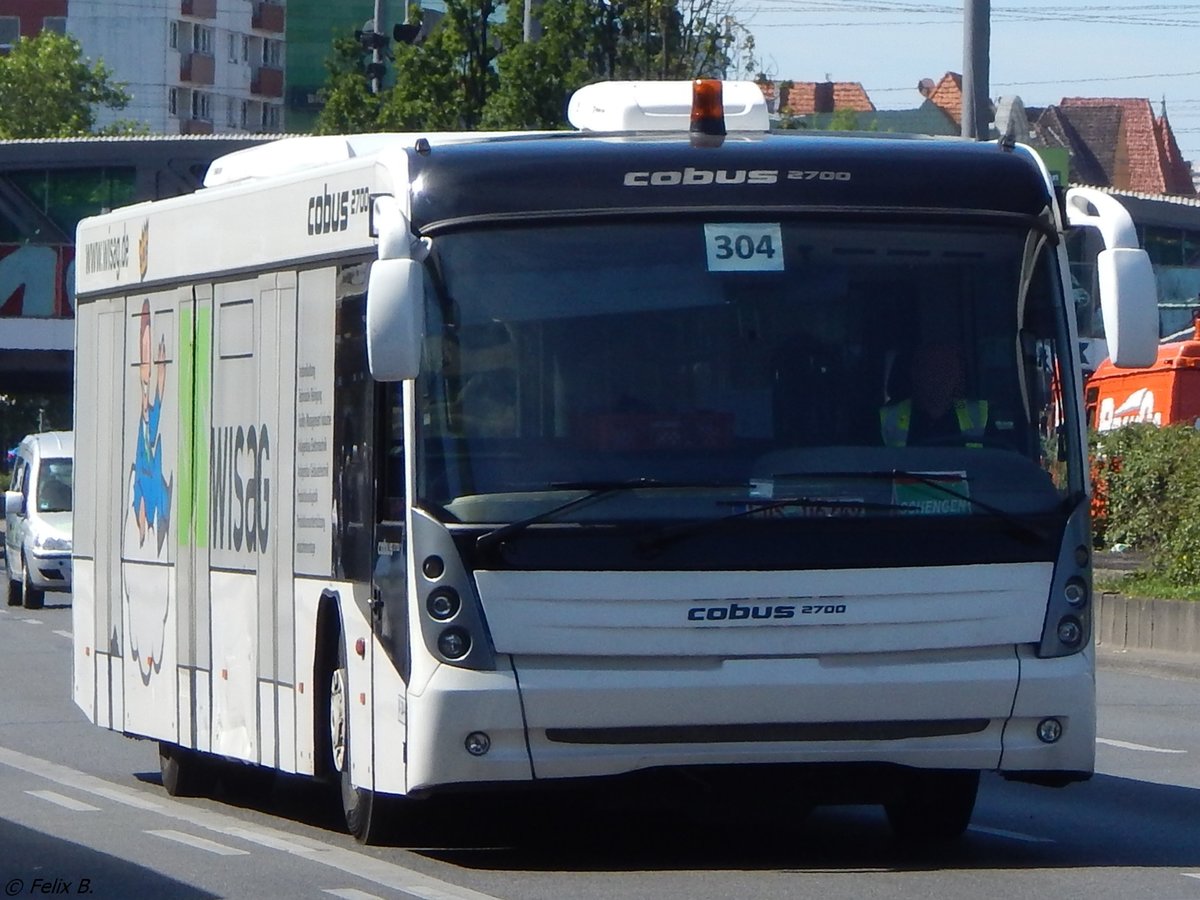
[653,614]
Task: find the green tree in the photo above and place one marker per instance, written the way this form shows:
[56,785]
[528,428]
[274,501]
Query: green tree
[443,82]
[536,78]
[471,72]
[348,106]
[47,89]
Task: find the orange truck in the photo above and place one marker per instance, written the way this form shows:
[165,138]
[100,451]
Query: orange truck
[1163,393]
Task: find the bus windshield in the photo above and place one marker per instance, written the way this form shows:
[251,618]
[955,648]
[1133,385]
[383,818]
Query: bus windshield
[686,369]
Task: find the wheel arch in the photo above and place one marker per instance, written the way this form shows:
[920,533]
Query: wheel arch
[325,657]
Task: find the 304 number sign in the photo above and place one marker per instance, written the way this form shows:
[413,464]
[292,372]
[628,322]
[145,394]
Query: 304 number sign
[744,247]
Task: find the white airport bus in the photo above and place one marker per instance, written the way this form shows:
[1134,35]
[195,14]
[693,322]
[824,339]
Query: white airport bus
[431,462]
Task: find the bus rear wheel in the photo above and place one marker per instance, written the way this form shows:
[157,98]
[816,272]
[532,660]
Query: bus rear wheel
[933,806]
[365,811]
[185,773]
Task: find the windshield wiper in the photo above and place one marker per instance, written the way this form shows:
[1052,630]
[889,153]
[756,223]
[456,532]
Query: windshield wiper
[672,533]
[595,492]
[1008,518]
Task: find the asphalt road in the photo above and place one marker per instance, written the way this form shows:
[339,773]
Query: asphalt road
[82,813]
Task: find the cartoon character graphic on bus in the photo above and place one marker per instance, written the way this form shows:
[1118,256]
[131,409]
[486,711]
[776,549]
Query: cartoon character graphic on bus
[151,491]
[148,588]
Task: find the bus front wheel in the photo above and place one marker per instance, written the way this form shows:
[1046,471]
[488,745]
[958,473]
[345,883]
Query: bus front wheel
[933,806]
[363,808]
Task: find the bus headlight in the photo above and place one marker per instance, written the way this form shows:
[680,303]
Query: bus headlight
[1070,631]
[478,743]
[1067,625]
[454,643]
[1049,731]
[443,604]
[1075,592]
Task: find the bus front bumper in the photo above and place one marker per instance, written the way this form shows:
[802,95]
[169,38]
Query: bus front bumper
[582,718]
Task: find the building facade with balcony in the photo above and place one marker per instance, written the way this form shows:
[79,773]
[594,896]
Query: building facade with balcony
[191,66]
[27,18]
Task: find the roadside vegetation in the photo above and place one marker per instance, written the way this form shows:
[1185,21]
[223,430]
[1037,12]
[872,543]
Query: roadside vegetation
[473,67]
[1146,495]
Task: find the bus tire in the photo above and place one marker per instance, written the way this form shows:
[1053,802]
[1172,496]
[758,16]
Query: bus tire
[34,598]
[365,811]
[933,807]
[185,773]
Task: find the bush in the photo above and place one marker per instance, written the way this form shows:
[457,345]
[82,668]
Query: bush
[1146,493]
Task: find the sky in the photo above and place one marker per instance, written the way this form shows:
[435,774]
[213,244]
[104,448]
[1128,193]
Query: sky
[1039,51]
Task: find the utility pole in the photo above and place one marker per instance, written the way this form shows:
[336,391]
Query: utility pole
[533,27]
[377,52]
[977,33]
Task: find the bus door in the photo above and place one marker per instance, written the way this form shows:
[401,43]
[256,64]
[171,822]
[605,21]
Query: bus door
[390,575]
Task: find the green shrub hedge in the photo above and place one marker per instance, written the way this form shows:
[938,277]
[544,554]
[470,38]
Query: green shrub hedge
[1146,493]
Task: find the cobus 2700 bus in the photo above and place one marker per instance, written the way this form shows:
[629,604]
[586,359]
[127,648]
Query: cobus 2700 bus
[429,462]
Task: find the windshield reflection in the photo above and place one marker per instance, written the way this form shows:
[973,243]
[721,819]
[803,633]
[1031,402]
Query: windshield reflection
[567,360]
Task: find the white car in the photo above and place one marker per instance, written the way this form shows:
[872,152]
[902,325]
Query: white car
[37,514]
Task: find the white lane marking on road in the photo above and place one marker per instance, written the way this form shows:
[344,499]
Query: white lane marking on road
[1011,835]
[1190,874]
[65,634]
[199,843]
[287,844]
[31,621]
[66,802]
[1126,745]
[359,865]
[351,894]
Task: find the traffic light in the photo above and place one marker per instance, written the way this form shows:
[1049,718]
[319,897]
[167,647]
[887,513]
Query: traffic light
[371,40]
[406,34]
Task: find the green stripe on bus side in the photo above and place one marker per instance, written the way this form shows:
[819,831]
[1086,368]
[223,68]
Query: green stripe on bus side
[195,341]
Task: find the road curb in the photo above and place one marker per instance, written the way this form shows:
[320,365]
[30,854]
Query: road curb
[1154,626]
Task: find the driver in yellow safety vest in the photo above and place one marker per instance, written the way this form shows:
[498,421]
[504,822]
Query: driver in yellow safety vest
[936,413]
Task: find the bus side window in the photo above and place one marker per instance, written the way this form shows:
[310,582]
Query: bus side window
[352,432]
[390,404]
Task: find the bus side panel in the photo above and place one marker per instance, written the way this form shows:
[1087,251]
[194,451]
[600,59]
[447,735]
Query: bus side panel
[235,697]
[310,462]
[307,596]
[267,382]
[282,494]
[83,620]
[151,426]
[238,517]
[96,596]
[83,626]
[390,703]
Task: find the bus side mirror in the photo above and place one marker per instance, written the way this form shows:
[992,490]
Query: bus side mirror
[1129,304]
[395,319]
[1128,291]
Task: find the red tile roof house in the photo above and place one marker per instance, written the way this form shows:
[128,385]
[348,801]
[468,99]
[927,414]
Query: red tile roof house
[1118,143]
[803,98]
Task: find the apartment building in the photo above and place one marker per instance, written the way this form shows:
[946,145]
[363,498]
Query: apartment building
[26,18]
[191,66]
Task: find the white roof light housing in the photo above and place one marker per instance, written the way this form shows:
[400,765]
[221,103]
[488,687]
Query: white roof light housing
[661,106]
